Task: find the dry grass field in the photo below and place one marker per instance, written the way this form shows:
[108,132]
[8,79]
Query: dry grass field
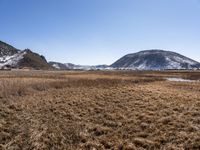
[94,110]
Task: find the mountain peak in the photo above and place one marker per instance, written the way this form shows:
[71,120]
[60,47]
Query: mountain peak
[14,58]
[6,49]
[155,60]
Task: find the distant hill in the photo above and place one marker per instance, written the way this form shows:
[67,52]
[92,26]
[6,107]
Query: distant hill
[155,60]
[11,57]
[70,66]
[61,66]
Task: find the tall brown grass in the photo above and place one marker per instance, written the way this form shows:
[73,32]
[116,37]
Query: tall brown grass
[98,110]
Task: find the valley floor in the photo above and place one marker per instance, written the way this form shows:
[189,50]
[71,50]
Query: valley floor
[99,110]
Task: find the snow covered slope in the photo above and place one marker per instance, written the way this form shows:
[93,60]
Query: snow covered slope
[11,60]
[155,60]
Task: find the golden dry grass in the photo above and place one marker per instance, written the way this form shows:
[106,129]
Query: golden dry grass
[98,110]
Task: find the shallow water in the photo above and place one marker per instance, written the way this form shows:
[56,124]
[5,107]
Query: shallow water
[181,80]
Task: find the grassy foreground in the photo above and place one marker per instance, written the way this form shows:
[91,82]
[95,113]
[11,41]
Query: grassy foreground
[42,110]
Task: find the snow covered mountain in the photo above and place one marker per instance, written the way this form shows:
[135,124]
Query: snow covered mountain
[70,66]
[11,57]
[155,60]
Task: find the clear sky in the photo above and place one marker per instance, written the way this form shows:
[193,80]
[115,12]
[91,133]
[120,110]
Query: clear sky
[100,31]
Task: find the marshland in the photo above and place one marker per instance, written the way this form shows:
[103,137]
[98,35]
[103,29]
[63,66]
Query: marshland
[122,110]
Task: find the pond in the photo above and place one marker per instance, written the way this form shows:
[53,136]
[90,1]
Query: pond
[181,80]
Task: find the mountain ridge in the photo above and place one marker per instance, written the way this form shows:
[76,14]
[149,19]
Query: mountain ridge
[153,59]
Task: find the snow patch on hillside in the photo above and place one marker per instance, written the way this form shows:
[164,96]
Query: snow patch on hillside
[12,60]
[56,66]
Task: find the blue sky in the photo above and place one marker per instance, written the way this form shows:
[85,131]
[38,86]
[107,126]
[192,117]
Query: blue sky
[100,31]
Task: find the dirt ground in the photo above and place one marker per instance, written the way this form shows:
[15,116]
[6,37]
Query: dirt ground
[94,110]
